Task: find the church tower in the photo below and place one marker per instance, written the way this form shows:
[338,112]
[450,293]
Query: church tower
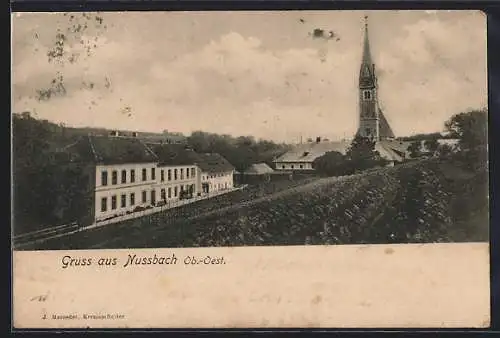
[372,122]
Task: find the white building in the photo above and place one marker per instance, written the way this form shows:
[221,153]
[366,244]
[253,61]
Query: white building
[178,172]
[216,173]
[124,176]
[129,175]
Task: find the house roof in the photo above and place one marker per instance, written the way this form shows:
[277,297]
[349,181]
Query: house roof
[259,169]
[174,154]
[213,162]
[393,150]
[110,150]
[310,151]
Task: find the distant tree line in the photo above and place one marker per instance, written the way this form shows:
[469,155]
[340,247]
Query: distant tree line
[241,151]
[424,137]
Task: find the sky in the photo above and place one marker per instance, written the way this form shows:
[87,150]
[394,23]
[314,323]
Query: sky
[249,73]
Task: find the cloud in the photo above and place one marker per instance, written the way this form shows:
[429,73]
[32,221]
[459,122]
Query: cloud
[438,70]
[235,83]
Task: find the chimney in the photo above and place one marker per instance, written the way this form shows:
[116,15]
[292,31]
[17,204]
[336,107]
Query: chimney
[318,139]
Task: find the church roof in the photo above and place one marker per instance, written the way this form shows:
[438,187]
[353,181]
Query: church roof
[385,129]
[367,77]
[367,56]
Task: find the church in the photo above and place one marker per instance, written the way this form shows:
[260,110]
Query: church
[372,124]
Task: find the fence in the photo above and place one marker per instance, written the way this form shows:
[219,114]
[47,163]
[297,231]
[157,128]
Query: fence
[169,205]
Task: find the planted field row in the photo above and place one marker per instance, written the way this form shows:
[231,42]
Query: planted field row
[409,203]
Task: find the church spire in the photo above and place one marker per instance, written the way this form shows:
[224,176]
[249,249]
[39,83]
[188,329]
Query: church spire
[369,125]
[367,56]
[367,77]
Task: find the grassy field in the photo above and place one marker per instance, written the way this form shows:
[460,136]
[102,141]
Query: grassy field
[418,202]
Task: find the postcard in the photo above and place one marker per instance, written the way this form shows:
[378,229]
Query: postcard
[250,169]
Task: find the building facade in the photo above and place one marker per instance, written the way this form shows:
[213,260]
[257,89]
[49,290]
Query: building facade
[178,177]
[217,174]
[121,188]
[124,171]
[129,175]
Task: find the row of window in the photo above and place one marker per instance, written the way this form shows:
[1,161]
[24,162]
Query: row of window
[222,186]
[123,180]
[175,191]
[214,176]
[301,166]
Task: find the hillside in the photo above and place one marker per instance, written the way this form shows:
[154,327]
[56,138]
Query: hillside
[427,201]
[58,135]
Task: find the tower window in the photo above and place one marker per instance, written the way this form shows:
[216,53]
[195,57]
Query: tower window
[367,131]
[367,95]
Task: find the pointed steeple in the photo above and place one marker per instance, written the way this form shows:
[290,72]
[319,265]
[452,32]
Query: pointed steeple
[367,56]
[367,77]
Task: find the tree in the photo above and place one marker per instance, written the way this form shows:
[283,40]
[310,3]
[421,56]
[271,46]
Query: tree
[415,149]
[444,150]
[362,154]
[470,128]
[241,151]
[332,163]
[431,145]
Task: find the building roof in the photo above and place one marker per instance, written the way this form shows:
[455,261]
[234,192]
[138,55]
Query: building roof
[367,55]
[259,169]
[367,77]
[392,150]
[308,152]
[385,129]
[110,150]
[213,162]
[174,154]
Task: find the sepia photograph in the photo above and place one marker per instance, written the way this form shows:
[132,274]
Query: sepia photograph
[161,129]
[283,155]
